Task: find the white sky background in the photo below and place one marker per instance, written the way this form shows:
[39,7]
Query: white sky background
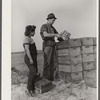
[76,16]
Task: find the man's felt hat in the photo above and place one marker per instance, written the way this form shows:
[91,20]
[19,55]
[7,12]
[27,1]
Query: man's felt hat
[50,16]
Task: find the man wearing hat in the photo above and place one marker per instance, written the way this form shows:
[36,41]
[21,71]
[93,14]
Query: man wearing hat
[48,33]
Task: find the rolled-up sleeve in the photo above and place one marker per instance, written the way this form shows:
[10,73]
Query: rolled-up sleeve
[43,28]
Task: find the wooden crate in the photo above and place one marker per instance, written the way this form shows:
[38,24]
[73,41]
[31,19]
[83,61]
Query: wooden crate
[90,78]
[75,51]
[87,41]
[88,58]
[76,76]
[62,45]
[87,49]
[75,42]
[62,52]
[63,60]
[64,68]
[65,76]
[76,59]
[90,73]
[68,77]
[94,49]
[94,40]
[62,75]
[43,85]
[89,65]
[76,68]
[91,82]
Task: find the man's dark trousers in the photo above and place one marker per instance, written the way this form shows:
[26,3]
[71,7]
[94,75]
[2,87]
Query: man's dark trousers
[48,71]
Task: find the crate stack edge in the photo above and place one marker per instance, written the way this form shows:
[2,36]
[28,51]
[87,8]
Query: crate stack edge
[89,60]
[76,59]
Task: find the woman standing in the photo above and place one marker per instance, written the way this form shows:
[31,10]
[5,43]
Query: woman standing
[31,58]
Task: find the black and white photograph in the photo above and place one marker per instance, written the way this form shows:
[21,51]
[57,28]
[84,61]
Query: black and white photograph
[54,50]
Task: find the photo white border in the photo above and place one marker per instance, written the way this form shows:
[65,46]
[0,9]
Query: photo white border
[6,49]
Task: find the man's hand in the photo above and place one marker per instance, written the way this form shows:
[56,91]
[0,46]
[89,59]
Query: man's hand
[58,35]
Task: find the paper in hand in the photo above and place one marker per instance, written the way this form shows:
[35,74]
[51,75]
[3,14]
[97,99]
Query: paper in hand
[65,35]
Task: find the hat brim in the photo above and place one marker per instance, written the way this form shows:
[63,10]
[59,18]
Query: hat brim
[51,18]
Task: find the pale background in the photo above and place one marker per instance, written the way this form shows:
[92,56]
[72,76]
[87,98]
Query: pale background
[76,16]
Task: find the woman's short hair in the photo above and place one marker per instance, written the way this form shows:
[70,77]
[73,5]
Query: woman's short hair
[29,29]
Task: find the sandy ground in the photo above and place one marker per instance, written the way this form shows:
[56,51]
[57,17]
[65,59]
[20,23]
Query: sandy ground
[61,91]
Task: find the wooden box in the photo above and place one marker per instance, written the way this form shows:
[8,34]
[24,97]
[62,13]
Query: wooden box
[65,76]
[90,73]
[64,68]
[90,78]
[88,57]
[43,85]
[76,68]
[75,42]
[64,60]
[62,52]
[62,75]
[76,59]
[75,51]
[87,49]
[76,76]
[91,82]
[68,77]
[89,65]
[87,41]
[62,45]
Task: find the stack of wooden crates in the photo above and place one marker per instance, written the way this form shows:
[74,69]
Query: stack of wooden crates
[76,60]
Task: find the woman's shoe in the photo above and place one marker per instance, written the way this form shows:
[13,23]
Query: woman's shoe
[32,93]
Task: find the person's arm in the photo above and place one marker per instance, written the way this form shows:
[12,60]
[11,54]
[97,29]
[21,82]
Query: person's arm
[50,34]
[28,53]
[44,32]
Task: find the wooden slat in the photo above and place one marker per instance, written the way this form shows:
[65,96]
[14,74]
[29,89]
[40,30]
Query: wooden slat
[89,65]
[64,68]
[87,49]
[76,68]
[62,52]
[75,51]
[90,74]
[76,59]
[75,42]
[65,76]
[64,60]
[76,76]
[88,57]
[87,41]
